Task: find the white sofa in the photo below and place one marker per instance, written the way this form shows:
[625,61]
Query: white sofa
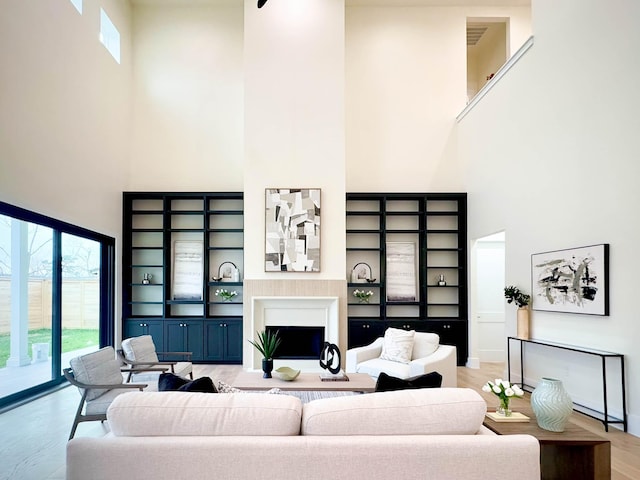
[428,355]
[422,434]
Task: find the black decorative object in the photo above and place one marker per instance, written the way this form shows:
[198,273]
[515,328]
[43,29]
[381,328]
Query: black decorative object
[328,357]
[261,3]
[267,367]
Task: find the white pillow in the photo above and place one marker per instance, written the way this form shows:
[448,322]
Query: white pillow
[397,345]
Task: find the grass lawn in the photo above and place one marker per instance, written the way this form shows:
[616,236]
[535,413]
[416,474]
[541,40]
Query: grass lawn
[72,339]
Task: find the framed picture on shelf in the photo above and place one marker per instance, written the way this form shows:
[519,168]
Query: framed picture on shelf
[401,272]
[361,273]
[575,280]
[292,230]
[188,270]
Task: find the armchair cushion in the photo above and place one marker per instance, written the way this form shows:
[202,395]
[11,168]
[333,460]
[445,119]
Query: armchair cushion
[140,349]
[398,345]
[424,344]
[387,383]
[97,368]
[171,382]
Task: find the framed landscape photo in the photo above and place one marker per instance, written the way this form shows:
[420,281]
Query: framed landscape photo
[401,272]
[292,230]
[575,280]
[188,270]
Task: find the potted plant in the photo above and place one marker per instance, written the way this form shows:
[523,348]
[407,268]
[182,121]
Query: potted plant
[514,295]
[267,343]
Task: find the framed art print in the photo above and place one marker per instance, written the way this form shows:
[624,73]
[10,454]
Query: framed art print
[292,230]
[575,280]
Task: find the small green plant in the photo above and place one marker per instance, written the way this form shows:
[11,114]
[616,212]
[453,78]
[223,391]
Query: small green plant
[267,343]
[513,294]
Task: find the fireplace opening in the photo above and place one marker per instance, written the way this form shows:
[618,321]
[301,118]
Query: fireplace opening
[299,342]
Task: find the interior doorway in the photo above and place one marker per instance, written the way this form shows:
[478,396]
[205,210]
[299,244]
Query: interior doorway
[489,311]
[487,51]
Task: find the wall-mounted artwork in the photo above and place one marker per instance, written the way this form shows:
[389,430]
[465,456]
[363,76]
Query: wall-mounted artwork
[401,272]
[575,280]
[188,271]
[292,226]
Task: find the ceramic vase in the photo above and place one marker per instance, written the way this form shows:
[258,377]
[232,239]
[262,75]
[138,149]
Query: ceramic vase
[523,323]
[267,367]
[551,404]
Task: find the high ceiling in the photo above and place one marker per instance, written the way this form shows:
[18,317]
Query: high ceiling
[363,3]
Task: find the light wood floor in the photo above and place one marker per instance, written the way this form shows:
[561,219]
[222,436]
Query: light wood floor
[33,436]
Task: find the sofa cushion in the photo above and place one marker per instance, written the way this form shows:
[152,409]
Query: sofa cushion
[97,368]
[397,345]
[424,344]
[171,382]
[427,411]
[387,383]
[140,414]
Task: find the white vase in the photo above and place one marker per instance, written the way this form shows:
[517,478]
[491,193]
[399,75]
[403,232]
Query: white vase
[551,404]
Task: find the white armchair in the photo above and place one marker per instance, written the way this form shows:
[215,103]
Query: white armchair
[428,355]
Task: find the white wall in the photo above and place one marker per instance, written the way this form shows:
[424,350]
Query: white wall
[550,157]
[64,111]
[405,82]
[188,105]
[294,121]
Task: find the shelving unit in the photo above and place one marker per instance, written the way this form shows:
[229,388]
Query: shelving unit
[426,230]
[181,240]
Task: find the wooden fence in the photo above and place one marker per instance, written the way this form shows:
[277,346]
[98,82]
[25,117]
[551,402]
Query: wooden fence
[80,303]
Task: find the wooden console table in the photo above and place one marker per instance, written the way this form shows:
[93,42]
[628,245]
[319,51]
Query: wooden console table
[575,453]
[604,417]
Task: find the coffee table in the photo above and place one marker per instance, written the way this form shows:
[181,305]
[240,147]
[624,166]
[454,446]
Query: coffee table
[575,453]
[306,381]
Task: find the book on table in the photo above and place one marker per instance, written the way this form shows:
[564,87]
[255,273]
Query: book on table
[334,377]
[514,417]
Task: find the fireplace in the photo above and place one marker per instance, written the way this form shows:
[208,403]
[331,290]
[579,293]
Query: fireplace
[305,323]
[298,342]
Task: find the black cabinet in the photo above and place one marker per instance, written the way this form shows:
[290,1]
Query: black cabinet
[138,327]
[407,251]
[181,250]
[223,340]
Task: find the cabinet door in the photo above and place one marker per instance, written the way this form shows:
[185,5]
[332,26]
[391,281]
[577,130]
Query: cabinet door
[137,327]
[364,332]
[184,336]
[214,333]
[233,351]
[223,340]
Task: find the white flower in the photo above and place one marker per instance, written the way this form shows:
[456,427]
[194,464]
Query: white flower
[486,388]
[509,392]
[506,384]
[497,381]
[496,389]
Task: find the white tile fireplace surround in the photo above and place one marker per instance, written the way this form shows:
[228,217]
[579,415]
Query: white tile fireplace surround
[294,312]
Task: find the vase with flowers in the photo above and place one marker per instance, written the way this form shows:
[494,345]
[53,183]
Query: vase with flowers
[505,391]
[363,296]
[226,295]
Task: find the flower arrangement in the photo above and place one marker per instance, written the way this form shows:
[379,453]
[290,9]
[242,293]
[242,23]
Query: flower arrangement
[362,295]
[504,391]
[513,294]
[226,295]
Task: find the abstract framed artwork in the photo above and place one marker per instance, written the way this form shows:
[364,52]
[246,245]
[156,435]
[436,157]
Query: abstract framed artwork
[575,280]
[401,271]
[188,271]
[292,230]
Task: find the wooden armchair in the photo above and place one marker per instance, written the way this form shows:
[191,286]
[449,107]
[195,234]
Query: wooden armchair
[99,380]
[139,354]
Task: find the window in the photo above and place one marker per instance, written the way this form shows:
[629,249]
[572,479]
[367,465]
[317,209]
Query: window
[78,5]
[56,299]
[109,35]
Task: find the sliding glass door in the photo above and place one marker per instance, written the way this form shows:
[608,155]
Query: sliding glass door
[56,299]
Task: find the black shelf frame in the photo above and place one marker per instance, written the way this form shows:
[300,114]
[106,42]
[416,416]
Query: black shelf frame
[604,417]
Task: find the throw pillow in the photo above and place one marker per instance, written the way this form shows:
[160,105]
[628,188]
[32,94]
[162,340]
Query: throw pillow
[397,345]
[226,388]
[170,382]
[387,383]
